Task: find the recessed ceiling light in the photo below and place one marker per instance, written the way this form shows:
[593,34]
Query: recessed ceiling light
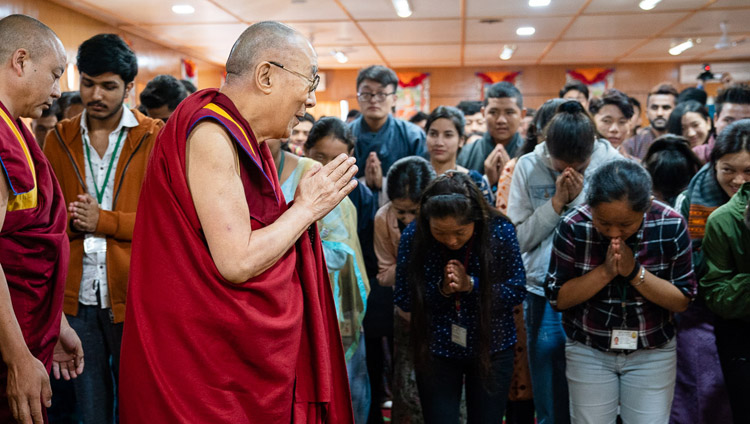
[183,9]
[403,8]
[648,4]
[340,56]
[507,52]
[539,3]
[679,48]
[525,31]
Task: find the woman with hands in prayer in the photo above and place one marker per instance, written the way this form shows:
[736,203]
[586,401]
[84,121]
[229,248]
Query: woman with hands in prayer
[620,267]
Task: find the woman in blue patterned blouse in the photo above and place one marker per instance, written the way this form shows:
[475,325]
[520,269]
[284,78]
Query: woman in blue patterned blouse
[620,267]
[460,273]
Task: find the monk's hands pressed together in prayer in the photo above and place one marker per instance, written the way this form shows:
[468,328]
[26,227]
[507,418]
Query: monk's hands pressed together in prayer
[84,213]
[324,187]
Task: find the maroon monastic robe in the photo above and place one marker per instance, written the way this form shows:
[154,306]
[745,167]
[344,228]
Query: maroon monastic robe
[200,349]
[34,246]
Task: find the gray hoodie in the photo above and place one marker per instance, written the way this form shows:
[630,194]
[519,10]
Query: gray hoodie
[530,206]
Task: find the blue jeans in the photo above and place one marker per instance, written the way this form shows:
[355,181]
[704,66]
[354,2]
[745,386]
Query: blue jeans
[486,396]
[359,383]
[96,388]
[642,383]
[546,345]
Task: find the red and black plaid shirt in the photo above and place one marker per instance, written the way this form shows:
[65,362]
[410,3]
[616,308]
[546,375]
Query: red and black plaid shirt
[663,248]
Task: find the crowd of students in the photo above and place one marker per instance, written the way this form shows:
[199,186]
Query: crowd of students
[563,267]
[602,223]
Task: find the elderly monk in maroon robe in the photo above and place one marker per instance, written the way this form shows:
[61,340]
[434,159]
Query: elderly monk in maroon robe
[34,333]
[230,316]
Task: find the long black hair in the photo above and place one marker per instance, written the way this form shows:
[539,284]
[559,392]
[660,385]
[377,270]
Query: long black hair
[452,114]
[329,126]
[674,124]
[408,177]
[620,180]
[672,164]
[734,138]
[535,133]
[452,194]
[570,134]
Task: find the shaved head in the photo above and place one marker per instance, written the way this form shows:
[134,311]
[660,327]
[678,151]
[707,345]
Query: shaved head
[32,60]
[25,32]
[261,41]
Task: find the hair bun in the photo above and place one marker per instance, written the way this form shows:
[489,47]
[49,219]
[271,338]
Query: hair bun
[571,106]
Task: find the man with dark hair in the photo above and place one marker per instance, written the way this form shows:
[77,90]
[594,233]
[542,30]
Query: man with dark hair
[352,115]
[732,104]
[299,134]
[381,138]
[70,105]
[162,95]
[189,86]
[526,121]
[472,110]
[100,159]
[419,119]
[693,93]
[576,90]
[503,111]
[231,317]
[40,126]
[659,105]
[635,121]
[612,113]
[34,335]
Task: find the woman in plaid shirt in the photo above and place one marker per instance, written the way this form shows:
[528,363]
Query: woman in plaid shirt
[620,266]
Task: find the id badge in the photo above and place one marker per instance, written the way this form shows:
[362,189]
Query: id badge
[624,339]
[458,335]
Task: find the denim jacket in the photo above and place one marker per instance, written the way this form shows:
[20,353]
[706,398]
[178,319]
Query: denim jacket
[530,206]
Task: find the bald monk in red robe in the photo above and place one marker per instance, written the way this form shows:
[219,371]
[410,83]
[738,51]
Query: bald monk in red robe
[230,316]
[34,333]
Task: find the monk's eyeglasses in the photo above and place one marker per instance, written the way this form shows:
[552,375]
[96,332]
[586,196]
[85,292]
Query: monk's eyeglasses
[313,82]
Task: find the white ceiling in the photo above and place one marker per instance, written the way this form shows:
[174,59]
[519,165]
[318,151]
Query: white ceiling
[444,32]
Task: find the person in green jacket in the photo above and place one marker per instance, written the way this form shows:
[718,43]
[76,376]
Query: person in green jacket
[726,287]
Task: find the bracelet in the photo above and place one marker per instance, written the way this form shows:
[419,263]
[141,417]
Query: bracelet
[440,289]
[641,278]
[634,272]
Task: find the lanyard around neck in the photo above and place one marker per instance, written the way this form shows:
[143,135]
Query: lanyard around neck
[87,141]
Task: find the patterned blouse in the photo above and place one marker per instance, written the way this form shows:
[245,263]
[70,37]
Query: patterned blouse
[508,290]
[662,246]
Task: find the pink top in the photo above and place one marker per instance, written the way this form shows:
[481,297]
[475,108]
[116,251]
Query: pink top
[386,239]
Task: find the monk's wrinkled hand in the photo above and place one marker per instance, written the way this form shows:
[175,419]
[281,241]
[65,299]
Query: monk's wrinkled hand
[324,187]
[84,213]
[67,359]
[28,387]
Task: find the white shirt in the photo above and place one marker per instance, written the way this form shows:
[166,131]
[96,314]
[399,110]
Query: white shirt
[95,261]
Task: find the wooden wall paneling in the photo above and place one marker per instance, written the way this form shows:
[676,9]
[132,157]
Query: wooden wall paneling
[538,83]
